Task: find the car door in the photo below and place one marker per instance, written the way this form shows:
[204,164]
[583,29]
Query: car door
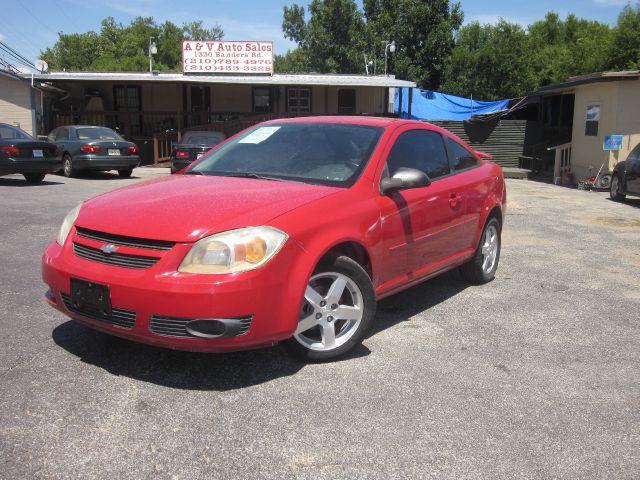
[60,136]
[419,226]
[632,171]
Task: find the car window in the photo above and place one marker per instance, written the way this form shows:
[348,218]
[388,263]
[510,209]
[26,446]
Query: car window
[420,149]
[635,153]
[97,133]
[62,133]
[202,138]
[7,132]
[461,158]
[321,153]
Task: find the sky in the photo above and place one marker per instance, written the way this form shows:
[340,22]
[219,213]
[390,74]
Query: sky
[30,26]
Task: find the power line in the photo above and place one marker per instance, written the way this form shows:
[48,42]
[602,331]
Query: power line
[16,55]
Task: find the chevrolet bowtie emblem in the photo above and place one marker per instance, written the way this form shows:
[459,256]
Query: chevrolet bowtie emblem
[109,248]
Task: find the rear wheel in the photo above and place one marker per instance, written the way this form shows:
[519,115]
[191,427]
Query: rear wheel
[338,310]
[67,166]
[482,267]
[126,172]
[34,177]
[615,191]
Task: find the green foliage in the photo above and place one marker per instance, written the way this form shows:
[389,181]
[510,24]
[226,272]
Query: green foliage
[338,35]
[330,41]
[124,48]
[504,60]
[625,45]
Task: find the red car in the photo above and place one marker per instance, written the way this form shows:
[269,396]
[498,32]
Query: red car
[288,232]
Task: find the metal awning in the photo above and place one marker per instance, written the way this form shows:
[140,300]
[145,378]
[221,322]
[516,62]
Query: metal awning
[312,79]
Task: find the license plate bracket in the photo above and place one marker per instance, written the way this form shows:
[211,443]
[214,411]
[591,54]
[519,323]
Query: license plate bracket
[113,151]
[38,153]
[91,298]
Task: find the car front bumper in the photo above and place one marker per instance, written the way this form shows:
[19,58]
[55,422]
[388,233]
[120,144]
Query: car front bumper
[105,162]
[268,296]
[30,165]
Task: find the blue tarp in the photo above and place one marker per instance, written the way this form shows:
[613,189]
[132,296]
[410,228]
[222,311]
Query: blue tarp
[429,105]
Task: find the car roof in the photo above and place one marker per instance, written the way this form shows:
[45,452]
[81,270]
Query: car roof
[356,120]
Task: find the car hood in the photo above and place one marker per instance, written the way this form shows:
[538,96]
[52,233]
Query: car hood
[185,208]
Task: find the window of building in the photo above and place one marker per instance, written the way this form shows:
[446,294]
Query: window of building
[593,119]
[460,157]
[347,101]
[262,100]
[420,149]
[299,100]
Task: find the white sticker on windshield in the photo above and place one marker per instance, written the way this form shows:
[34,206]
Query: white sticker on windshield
[259,135]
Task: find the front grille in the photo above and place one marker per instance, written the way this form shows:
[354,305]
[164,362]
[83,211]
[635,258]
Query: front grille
[119,316]
[176,326]
[124,240]
[115,259]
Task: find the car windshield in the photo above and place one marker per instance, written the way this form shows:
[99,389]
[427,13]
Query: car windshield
[8,132]
[97,133]
[202,138]
[320,153]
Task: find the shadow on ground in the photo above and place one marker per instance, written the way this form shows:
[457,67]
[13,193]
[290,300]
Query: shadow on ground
[230,371]
[21,182]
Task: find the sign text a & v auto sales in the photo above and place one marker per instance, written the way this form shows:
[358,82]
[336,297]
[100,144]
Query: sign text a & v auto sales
[227,57]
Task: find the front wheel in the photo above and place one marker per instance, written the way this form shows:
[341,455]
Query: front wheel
[126,172]
[337,312]
[615,191]
[33,177]
[482,267]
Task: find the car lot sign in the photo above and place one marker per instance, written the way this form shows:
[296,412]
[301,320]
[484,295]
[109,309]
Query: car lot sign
[248,57]
[613,142]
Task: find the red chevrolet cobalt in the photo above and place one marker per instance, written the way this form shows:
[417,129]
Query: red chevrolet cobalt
[288,232]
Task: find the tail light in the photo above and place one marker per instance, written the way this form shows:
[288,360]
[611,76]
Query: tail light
[134,149]
[182,154]
[54,150]
[11,150]
[91,148]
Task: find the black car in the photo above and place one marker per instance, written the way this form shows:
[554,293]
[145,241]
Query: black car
[192,146]
[85,147]
[20,153]
[626,177]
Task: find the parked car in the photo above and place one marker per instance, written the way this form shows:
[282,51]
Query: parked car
[21,153]
[289,231]
[85,147]
[192,146]
[626,177]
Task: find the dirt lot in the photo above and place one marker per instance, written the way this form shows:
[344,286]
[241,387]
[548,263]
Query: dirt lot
[535,375]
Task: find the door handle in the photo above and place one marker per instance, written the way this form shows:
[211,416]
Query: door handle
[455,200]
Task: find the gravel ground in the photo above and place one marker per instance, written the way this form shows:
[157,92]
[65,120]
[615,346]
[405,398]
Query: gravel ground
[534,375]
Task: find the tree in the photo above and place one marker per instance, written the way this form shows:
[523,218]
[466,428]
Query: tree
[331,40]
[424,32]
[625,45]
[125,48]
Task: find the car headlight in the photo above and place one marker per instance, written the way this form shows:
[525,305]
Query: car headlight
[234,251]
[67,223]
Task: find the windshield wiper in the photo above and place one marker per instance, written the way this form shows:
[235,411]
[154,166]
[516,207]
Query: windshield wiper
[254,175]
[193,172]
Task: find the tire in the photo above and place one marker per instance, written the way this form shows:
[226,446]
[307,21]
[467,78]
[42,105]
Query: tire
[67,166]
[482,267]
[125,173]
[604,182]
[34,177]
[616,188]
[338,311]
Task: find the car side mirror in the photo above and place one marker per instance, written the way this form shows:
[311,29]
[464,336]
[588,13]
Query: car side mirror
[403,179]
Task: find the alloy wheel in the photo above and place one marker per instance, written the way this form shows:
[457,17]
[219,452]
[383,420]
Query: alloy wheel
[331,313]
[489,248]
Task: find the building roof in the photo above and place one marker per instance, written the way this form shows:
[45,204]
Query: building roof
[276,79]
[598,77]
